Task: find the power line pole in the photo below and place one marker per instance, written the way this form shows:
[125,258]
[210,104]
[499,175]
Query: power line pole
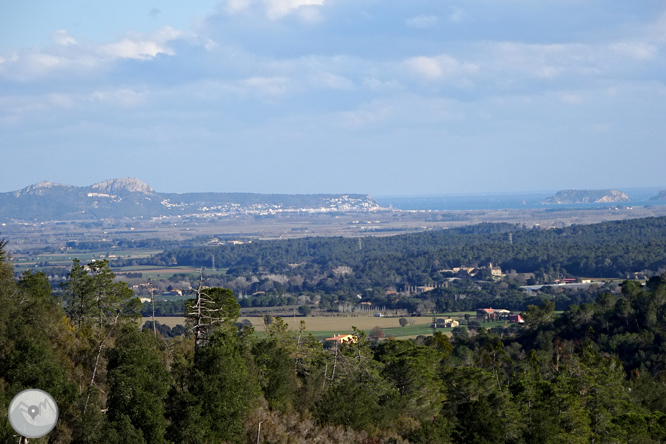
[152,298]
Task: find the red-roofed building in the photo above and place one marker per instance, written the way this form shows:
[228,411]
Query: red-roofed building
[343,339]
[484,313]
[516,319]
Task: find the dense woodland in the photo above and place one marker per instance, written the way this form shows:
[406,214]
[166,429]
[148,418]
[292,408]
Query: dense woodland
[325,270]
[609,249]
[595,373]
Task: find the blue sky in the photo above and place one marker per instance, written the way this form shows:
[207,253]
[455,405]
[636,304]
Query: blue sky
[309,96]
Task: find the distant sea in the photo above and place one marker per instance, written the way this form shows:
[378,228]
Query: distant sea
[503,201]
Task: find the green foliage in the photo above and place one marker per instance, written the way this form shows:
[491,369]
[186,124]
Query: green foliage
[414,372]
[609,249]
[34,346]
[593,373]
[357,395]
[305,310]
[138,385]
[277,372]
[540,316]
[222,390]
[93,298]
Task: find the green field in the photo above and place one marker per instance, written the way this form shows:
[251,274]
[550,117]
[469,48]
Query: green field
[327,326]
[65,258]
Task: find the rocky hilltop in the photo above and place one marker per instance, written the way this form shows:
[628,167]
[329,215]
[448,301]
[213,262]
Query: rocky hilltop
[132,198]
[660,196]
[586,196]
[41,189]
[126,185]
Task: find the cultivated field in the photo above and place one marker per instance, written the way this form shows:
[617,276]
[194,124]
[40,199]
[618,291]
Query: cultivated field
[339,324]
[323,327]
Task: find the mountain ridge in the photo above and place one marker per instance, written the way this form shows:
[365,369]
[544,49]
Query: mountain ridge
[132,198]
[586,196]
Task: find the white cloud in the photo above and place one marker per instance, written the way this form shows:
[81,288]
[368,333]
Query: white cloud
[15,108]
[543,61]
[425,66]
[457,16]
[658,29]
[562,62]
[332,81]
[635,50]
[63,38]
[439,67]
[376,84]
[24,108]
[367,114]
[77,58]
[276,9]
[571,98]
[61,100]
[130,49]
[139,47]
[422,21]
[271,86]
[234,6]
[125,97]
[46,61]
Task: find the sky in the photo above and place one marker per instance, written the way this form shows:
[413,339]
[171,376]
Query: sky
[399,97]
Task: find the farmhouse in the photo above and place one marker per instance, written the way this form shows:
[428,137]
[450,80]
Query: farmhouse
[450,323]
[343,339]
[492,314]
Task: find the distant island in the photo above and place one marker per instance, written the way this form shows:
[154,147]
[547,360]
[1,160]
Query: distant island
[586,196]
[132,198]
[660,196]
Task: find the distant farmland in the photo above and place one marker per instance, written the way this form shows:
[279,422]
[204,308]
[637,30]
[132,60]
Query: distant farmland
[327,326]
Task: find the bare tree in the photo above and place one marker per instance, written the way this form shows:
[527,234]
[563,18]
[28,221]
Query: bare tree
[210,307]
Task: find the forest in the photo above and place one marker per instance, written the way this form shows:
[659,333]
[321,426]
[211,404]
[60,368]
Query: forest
[379,269]
[592,373]
[604,250]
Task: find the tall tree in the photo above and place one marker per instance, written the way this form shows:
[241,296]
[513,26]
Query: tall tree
[97,306]
[221,391]
[138,385]
[211,307]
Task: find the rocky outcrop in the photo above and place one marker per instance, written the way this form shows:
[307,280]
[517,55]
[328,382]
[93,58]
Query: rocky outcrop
[41,189]
[586,196]
[125,185]
[660,196]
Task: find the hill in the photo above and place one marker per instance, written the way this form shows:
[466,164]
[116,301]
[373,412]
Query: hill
[586,196]
[132,198]
[660,196]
